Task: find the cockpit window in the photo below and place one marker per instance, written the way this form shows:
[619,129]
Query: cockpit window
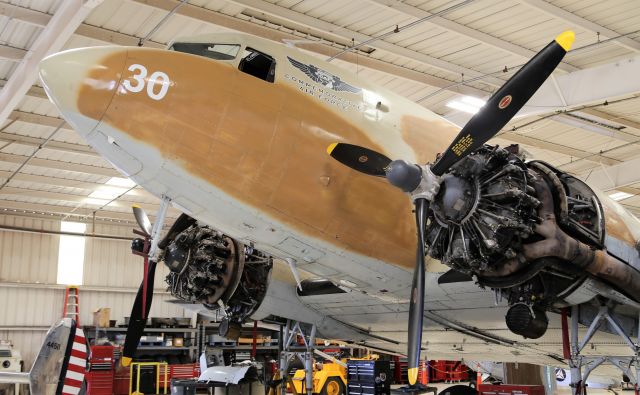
[258,64]
[212,51]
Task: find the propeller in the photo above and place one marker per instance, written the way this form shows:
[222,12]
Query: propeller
[144,297]
[422,182]
[139,313]
[142,219]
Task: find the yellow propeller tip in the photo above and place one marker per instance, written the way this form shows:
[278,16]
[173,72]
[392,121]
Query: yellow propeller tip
[331,148]
[125,361]
[566,39]
[135,206]
[412,374]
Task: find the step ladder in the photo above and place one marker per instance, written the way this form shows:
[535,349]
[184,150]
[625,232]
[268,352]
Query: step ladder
[72,303]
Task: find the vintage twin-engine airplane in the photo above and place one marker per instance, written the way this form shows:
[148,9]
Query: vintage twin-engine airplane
[234,131]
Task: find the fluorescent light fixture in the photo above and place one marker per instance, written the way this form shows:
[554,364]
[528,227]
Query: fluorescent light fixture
[617,196]
[468,104]
[586,124]
[71,254]
[120,182]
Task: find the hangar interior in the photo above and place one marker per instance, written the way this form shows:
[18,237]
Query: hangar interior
[440,54]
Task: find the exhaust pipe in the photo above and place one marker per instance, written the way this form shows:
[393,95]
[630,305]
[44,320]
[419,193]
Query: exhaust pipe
[558,244]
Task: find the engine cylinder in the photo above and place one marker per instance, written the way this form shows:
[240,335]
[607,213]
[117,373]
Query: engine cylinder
[213,269]
[485,206]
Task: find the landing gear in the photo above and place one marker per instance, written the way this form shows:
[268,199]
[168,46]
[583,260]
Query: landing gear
[577,361]
[292,330]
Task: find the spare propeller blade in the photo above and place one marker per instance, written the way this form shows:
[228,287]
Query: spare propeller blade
[142,219]
[139,316]
[493,116]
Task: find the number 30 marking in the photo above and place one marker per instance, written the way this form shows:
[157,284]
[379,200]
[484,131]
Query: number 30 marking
[140,73]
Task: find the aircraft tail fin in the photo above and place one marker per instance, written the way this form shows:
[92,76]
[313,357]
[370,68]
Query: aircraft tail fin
[60,365]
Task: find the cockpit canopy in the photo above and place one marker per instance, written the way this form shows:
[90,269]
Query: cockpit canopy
[212,51]
[220,48]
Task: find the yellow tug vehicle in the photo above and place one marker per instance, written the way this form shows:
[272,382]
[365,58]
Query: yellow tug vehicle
[329,377]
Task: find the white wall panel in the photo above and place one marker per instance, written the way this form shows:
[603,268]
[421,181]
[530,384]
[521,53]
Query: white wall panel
[29,296]
[28,257]
[111,263]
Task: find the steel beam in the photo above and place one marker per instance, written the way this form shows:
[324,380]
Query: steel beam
[41,19]
[614,177]
[343,33]
[55,145]
[56,164]
[205,15]
[590,86]
[584,23]
[557,148]
[464,31]
[12,207]
[66,20]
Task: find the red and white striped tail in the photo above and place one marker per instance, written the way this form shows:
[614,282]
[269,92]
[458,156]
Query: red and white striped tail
[61,362]
[77,365]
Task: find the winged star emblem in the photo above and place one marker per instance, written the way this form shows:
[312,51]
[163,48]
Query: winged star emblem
[324,77]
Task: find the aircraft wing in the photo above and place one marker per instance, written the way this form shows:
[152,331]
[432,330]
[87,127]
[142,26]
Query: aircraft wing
[462,322]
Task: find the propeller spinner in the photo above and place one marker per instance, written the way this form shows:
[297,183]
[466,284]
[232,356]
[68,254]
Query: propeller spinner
[422,182]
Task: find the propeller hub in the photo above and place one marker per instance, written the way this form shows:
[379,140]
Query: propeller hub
[404,175]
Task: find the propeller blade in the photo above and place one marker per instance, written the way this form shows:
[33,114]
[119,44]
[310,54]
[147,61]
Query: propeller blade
[142,219]
[359,158]
[183,222]
[416,306]
[138,318]
[506,102]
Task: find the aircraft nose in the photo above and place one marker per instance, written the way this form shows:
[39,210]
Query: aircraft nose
[82,82]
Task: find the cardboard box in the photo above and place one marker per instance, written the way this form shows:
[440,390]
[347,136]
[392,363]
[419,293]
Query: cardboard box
[260,339]
[101,317]
[178,342]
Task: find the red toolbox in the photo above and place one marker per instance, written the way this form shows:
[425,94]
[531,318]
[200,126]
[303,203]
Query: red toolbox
[101,371]
[510,389]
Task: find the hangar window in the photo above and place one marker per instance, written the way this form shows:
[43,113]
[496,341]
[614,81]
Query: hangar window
[71,254]
[211,51]
[258,64]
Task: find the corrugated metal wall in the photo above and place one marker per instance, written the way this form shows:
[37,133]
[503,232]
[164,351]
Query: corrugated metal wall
[30,298]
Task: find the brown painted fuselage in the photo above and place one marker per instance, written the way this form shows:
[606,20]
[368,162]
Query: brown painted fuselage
[263,143]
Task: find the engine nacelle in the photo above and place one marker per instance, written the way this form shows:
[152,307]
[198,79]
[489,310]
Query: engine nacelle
[217,271]
[526,230]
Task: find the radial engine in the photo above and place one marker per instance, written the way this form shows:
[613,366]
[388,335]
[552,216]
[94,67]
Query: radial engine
[527,230]
[217,271]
